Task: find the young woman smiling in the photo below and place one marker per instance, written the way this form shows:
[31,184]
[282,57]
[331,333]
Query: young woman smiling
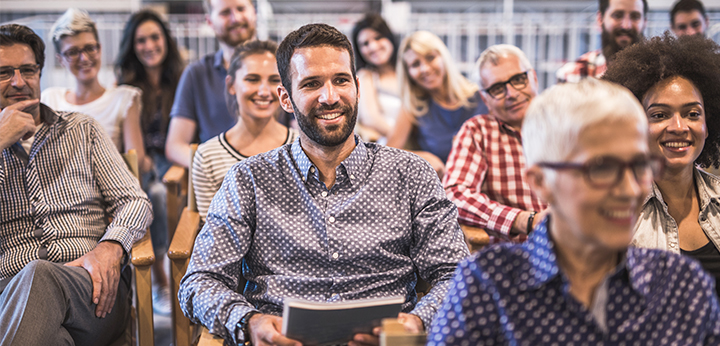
[376,57]
[149,60]
[676,80]
[436,99]
[251,87]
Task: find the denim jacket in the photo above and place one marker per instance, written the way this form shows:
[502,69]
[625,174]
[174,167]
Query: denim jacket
[655,227]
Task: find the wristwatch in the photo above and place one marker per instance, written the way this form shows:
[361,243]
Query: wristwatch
[244,326]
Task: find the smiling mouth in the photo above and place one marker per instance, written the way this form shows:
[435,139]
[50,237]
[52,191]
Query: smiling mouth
[330,116]
[262,103]
[677,144]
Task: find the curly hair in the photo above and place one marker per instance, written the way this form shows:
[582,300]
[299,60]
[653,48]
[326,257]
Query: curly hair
[643,65]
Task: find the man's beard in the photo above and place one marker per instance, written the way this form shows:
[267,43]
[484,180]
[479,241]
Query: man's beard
[609,43]
[309,126]
[236,40]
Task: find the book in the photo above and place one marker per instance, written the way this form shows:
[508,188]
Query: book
[320,323]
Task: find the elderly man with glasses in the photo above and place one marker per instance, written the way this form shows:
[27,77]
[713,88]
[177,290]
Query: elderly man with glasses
[484,170]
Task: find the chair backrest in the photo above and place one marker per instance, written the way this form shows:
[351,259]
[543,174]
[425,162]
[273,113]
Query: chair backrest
[191,203]
[131,160]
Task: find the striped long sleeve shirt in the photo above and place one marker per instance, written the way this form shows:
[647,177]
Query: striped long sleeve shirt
[56,199]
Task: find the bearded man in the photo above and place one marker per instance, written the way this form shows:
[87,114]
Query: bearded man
[622,23]
[327,218]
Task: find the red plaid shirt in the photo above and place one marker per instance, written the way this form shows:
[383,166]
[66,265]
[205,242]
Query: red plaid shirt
[485,176]
[590,64]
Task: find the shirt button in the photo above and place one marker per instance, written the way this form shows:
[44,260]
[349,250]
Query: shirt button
[352,176]
[324,194]
[43,253]
[38,233]
[331,219]
[335,255]
[312,169]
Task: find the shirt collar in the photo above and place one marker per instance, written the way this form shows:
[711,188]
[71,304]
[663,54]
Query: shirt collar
[541,256]
[356,165]
[702,188]
[48,115]
[218,60]
[506,127]
[544,267]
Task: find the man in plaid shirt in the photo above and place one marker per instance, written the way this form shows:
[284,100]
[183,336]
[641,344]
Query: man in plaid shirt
[622,23]
[485,167]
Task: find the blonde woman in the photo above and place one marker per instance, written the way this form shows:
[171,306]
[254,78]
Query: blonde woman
[436,99]
[117,109]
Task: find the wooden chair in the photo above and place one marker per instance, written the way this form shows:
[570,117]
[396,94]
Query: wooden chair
[142,258]
[181,245]
[475,237]
[176,184]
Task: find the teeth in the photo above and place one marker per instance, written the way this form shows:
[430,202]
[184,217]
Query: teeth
[329,116]
[618,214]
[262,103]
[677,144]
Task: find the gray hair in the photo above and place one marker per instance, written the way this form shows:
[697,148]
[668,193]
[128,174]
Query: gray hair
[556,117]
[493,53]
[71,23]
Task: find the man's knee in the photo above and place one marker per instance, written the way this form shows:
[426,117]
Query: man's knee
[36,269]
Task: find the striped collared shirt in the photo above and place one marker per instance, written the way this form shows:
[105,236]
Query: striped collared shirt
[56,199]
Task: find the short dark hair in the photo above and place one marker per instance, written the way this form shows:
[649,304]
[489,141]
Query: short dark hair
[11,34]
[236,62]
[310,35]
[695,58]
[686,6]
[604,4]
[377,23]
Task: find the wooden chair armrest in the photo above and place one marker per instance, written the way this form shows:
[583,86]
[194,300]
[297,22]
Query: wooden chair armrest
[182,242]
[142,251]
[207,339]
[476,237]
[175,175]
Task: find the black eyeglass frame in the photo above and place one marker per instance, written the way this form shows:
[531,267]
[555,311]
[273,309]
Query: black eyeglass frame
[91,50]
[36,71]
[505,83]
[656,164]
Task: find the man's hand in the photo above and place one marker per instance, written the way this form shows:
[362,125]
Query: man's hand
[412,323]
[265,330]
[103,264]
[15,123]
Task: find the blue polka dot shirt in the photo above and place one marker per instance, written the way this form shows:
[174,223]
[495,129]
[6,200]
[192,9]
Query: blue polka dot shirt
[273,221]
[517,295]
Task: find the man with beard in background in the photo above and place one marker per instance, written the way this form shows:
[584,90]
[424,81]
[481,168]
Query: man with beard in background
[622,23]
[200,111]
[327,218]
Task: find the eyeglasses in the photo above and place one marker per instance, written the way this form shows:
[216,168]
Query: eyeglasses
[73,54]
[26,71]
[605,172]
[499,90]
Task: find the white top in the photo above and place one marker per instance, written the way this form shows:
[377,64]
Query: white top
[213,159]
[109,110]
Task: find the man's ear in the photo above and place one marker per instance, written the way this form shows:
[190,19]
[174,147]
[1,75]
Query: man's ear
[285,101]
[599,21]
[539,184]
